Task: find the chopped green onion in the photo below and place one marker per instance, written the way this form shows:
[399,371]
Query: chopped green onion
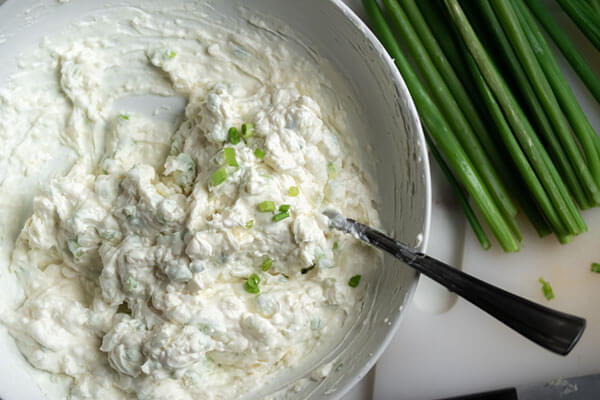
[284,207]
[280,216]
[251,284]
[335,245]
[547,289]
[247,131]
[123,116]
[131,283]
[259,154]
[218,176]
[595,268]
[266,206]
[354,281]
[234,135]
[331,172]
[74,248]
[266,264]
[229,155]
[293,191]
[249,224]
[172,54]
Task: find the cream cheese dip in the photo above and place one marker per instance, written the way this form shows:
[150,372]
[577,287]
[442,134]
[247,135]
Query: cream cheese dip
[184,259]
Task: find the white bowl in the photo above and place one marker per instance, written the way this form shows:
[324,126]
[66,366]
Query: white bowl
[394,134]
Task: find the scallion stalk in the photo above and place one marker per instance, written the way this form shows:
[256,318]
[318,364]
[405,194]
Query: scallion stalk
[585,72]
[449,106]
[585,18]
[460,195]
[516,118]
[443,135]
[579,122]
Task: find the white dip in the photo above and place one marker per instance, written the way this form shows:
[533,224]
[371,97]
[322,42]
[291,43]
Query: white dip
[146,268]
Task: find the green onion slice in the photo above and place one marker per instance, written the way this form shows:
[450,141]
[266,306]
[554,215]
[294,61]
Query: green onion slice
[251,284]
[280,216]
[218,176]
[331,171]
[266,206]
[259,154]
[247,131]
[293,191]
[354,281]
[229,155]
[547,289]
[234,135]
[266,264]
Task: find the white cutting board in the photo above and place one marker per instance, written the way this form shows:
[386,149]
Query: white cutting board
[461,350]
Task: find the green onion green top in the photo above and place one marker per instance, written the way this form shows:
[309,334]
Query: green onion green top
[172,54]
[266,264]
[218,176]
[234,135]
[266,206]
[251,284]
[247,131]
[595,268]
[335,245]
[229,155]
[123,116]
[354,281]
[280,216]
[249,224]
[547,289]
[293,191]
[284,207]
[259,154]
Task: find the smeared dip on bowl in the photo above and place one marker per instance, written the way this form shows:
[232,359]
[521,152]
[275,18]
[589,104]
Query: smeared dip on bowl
[183,259]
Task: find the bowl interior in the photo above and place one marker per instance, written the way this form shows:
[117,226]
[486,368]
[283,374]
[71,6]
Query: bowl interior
[392,135]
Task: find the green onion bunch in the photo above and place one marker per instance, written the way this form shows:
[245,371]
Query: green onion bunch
[499,116]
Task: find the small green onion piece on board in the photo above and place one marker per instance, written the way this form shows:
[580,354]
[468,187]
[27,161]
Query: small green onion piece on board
[293,191]
[266,206]
[251,284]
[354,281]
[266,264]
[280,216]
[229,155]
[595,268]
[249,224]
[172,54]
[259,154]
[218,176]
[335,245]
[547,289]
[234,135]
[284,207]
[247,131]
[123,116]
